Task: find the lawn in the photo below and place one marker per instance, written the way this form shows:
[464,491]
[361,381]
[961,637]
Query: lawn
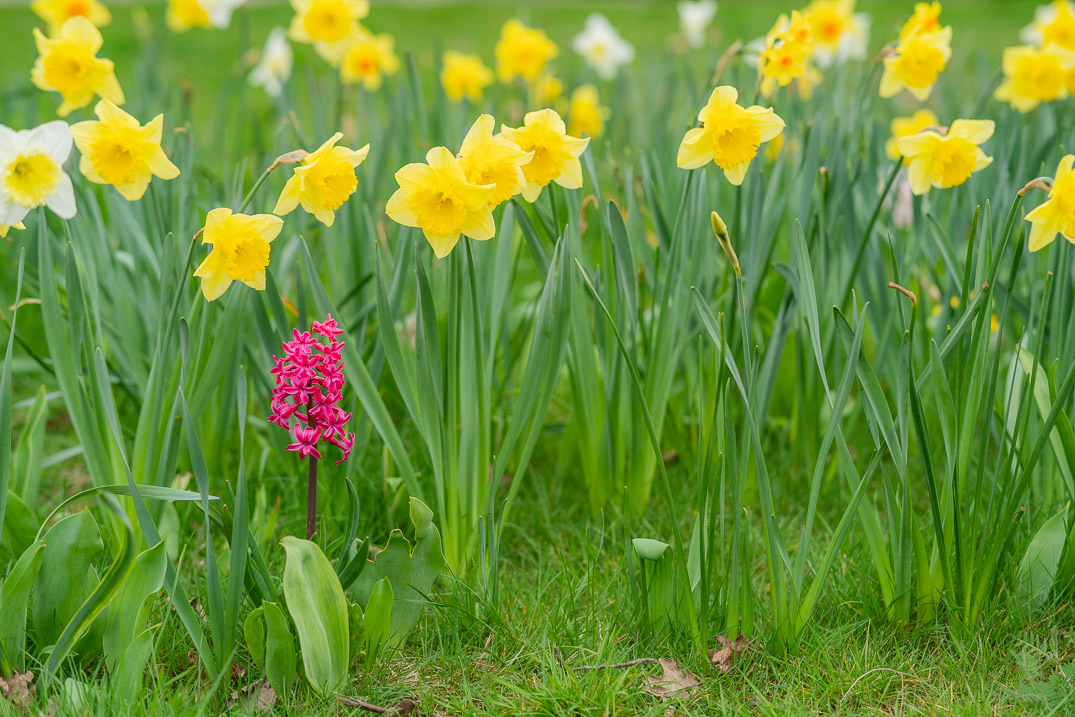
[783,438]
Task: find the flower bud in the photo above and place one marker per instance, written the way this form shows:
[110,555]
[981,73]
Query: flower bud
[721,231]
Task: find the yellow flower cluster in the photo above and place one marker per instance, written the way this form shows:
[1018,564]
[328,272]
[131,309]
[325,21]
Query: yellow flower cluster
[449,196]
[920,55]
[788,47]
[334,30]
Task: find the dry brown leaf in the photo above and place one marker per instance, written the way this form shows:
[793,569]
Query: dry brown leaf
[483,659]
[265,697]
[18,689]
[675,682]
[293,157]
[724,657]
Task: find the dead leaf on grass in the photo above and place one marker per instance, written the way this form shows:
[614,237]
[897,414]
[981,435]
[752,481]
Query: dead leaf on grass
[260,695]
[675,682]
[18,689]
[724,657]
[483,659]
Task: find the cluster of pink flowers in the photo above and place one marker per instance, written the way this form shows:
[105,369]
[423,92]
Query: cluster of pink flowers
[309,386]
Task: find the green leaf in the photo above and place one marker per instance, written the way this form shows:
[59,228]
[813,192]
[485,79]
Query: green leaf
[254,633]
[411,572]
[26,460]
[1037,570]
[126,613]
[67,576]
[5,399]
[14,594]
[127,674]
[318,608]
[377,620]
[280,659]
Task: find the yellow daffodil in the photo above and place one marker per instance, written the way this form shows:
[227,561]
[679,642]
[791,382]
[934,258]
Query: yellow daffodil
[437,198]
[729,136]
[57,12]
[240,250]
[522,52]
[546,90]
[186,14]
[1033,76]
[556,154]
[368,59]
[585,115]
[788,46]
[464,76]
[68,64]
[946,160]
[1057,213]
[489,159]
[926,19]
[839,33]
[31,172]
[323,181]
[327,24]
[916,63]
[1053,24]
[117,150]
[905,127]
[4,229]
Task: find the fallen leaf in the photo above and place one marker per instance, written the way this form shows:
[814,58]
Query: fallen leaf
[483,659]
[675,682]
[17,689]
[724,657]
[266,697]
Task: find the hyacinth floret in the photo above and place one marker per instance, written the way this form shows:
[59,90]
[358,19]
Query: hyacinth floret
[309,388]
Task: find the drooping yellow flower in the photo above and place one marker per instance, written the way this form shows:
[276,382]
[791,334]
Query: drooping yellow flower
[57,12]
[68,64]
[240,250]
[556,153]
[946,160]
[493,159]
[916,63]
[926,19]
[1033,76]
[464,76]
[1053,24]
[117,150]
[585,115]
[323,181]
[522,52]
[368,59]
[437,198]
[1057,213]
[328,24]
[729,136]
[788,46]
[4,229]
[905,127]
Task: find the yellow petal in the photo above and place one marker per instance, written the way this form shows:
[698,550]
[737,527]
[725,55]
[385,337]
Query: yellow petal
[737,173]
[161,166]
[977,131]
[214,276]
[479,225]
[695,150]
[399,210]
[920,175]
[571,175]
[442,244]
[289,198]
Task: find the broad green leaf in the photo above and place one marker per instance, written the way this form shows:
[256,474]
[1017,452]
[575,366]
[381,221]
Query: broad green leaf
[128,672]
[20,528]
[377,620]
[14,594]
[411,572]
[317,606]
[67,575]
[1037,570]
[126,614]
[254,633]
[280,660]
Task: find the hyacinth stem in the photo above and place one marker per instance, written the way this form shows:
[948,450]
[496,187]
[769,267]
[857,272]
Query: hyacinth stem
[311,498]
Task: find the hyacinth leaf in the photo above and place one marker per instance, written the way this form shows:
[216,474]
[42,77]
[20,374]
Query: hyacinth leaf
[128,673]
[14,594]
[317,606]
[411,572]
[67,576]
[126,614]
[254,634]
[5,399]
[377,620]
[1038,567]
[21,527]
[280,659]
[27,457]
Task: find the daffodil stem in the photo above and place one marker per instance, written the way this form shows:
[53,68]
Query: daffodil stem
[253,190]
[311,498]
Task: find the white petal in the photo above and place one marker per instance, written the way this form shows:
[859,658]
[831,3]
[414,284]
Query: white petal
[62,200]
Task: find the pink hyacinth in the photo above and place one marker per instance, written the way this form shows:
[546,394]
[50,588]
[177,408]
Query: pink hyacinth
[309,388]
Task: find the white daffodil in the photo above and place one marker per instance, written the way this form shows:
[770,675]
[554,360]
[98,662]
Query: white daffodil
[219,11]
[602,47]
[274,67]
[31,171]
[694,18]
